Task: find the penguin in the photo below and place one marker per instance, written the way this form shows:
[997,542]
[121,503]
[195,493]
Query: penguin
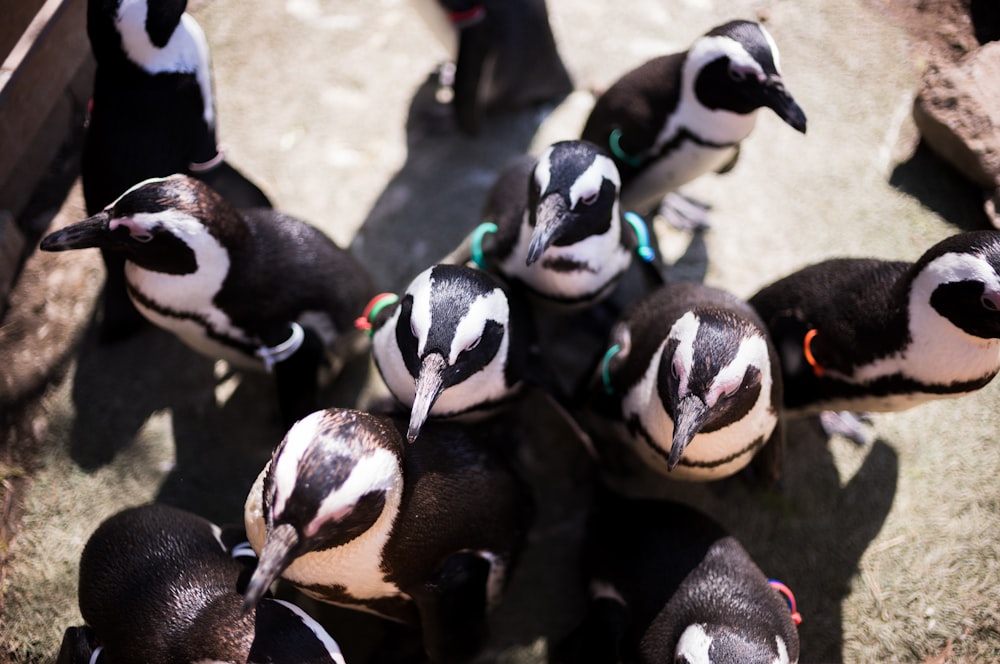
[690,385]
[257,288]
[553,226]
[425,534]
[160,585]
[152,114]
[682,115]
[865,334]
[505,56]
[669,584]
[454,346]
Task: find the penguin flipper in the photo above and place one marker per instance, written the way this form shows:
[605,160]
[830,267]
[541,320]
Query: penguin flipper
[596,640]
[297,379]
[453,606]
[78,645]
[474,45]
[235,187]
[731,164]
[768,464]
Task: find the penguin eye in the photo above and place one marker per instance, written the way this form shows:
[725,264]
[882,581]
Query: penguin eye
[413,330]
[674,371]
[472,344]
[591,198]
[142,237]
[988,303]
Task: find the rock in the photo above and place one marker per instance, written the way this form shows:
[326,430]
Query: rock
[958,114]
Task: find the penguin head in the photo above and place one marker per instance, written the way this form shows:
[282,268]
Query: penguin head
[170,225]
[572,195]
[443,350]
[705,643]
[736,68]
[711,374]
[328,482]
[960,279]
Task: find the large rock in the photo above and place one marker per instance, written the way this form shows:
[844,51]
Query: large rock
[958,114]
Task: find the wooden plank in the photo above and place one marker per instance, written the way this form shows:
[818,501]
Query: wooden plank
[33,80]
[17,14]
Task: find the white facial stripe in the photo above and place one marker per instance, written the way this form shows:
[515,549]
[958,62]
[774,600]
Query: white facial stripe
[706,49]
[694,645]
[186,52]
[951,268]
[493,306]
[543,170]
[285,465]
[137,186]
[773,46]
[752,352]
[321,634]
[685,331]
[589,182]
[782,657]
[377,471]
[420,316]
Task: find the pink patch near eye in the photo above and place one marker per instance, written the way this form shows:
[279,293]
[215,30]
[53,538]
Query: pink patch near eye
[134,229]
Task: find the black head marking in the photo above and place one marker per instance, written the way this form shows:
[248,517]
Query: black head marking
[716,345]
[567,183]
[162,18]
[970,293]
[450,294]
[752,38]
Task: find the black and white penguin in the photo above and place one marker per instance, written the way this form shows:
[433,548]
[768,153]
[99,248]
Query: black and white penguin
[505,56]
[690,384]
[454,345]
[682,115]
[669,584]
[553,225]
[863,334]
[426,533]
[160,585]
[152,114]
[257,288]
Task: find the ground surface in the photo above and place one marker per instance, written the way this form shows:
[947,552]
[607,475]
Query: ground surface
[891,548]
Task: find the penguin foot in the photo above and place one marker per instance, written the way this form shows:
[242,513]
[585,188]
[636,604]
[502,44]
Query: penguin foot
[855,427]
[683,212]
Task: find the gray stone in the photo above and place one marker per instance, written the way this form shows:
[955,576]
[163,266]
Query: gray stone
[958,114]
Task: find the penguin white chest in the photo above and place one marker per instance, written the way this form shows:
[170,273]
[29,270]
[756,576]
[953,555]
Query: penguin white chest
[183,304]
[583,270]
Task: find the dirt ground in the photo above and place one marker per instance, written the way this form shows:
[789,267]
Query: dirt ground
[892,548]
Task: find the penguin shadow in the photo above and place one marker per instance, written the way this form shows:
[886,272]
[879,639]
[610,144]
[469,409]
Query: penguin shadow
[941,188]
[434,201]
[810,531]
[135,396]
[118,387]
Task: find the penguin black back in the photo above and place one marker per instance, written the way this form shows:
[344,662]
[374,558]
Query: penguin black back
[870,334]
[159,585]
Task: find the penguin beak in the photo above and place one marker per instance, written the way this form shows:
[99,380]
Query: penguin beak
[277,554]
[91,232]
[690,414]
[549,218]
[474,45]
[777,99]
[430,385]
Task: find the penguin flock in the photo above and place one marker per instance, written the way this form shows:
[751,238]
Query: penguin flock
[418,510]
